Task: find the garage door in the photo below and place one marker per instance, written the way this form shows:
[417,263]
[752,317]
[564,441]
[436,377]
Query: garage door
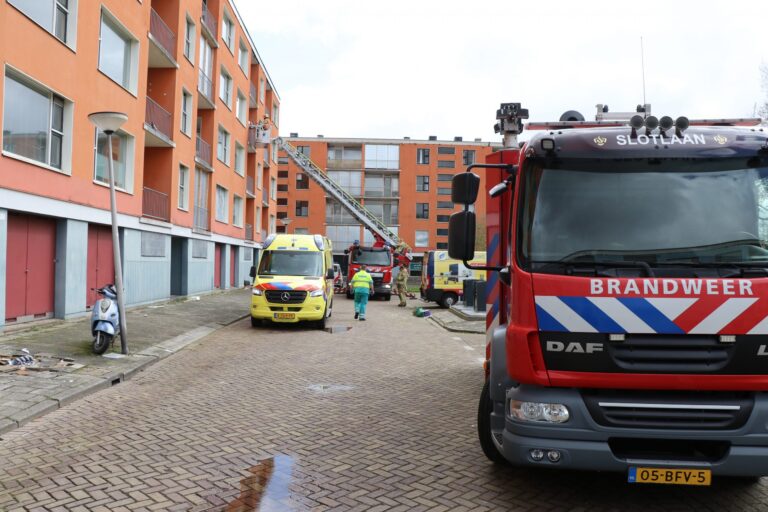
[31,265]
[217,267]
[101,263]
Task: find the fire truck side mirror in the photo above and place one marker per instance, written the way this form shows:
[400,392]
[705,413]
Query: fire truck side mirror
[464,188]
[461,235]
[346,251]
[253,272]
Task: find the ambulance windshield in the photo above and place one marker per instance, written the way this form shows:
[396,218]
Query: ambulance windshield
[366,256]
[665,217]
[291,263]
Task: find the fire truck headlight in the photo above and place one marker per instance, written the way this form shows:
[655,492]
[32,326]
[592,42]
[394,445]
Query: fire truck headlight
[547,144]
[256,291]
[538,412]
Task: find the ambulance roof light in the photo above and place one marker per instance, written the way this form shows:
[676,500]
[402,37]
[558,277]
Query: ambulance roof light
[319,242]
[269,240]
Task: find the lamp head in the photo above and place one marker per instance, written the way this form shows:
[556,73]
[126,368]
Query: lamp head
[108,122]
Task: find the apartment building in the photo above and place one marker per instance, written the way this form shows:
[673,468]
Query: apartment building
[195,173]
[404,182]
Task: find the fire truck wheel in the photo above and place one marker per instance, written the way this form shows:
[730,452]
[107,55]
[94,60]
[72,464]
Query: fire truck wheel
[349,296]
[388,297]
[448,300]
[484,427]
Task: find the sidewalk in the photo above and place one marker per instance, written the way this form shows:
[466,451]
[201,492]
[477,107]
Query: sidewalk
[66,369]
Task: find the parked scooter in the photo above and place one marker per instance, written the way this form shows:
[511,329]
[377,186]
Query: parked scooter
[105,319]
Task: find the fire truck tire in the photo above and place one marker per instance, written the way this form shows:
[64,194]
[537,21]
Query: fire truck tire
[448,299]
[484,427]
[388,297]
[349,296]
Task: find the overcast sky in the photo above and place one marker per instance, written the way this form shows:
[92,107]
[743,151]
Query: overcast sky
[351,68]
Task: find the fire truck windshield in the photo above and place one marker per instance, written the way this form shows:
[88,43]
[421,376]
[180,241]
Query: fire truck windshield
[291,263]
[377,257]
[667,216]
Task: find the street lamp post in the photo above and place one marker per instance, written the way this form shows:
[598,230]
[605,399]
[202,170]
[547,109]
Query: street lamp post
[285,222]
[109,123]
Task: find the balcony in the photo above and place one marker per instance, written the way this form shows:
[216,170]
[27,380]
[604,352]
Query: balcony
[250,186]
[209,25]
[203,154]
[338,164]
[158,126]
[162,50]
[155,205]
[249,231]
[202,221]
[253,97]
[265,197]
[205,97]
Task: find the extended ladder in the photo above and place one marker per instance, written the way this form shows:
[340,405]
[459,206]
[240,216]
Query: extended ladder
[357,210]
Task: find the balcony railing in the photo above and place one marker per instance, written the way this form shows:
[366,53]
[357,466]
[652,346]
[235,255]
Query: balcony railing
[158,118]
[265,197]
[249,231]
[344,164]
[205,85]
[202,219]
[162,33]
[203,151]
[155,204]
[253,96]
[209,21]
[250,185]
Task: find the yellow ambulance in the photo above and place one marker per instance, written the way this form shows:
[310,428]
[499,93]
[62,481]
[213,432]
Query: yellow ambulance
[293,281]
[442,278]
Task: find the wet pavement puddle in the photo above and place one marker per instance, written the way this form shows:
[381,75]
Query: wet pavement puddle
[265,488]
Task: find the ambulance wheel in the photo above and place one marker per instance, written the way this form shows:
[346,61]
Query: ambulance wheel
[484,427]
[320,324]
[448,299]
[255,322]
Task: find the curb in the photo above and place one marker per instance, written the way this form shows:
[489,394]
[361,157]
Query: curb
[150,356]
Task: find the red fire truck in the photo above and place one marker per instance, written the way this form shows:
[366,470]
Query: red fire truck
[380,259]
[628,295]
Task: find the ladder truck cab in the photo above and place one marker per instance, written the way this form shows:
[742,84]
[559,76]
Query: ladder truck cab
[627,318]
[379,263]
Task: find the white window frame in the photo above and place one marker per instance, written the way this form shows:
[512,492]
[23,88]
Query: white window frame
[70,39]
[416,238]
[243,50]
[227,145]
[276,114]
[259,176]
[224,217]
[239,160]
[225,80]
[190,39]
[183,200]
[237,211]
[68,122]
[241,107]
[186,114]
[133,71]
[262,90]
[130,150]
[273,188]
[226,19]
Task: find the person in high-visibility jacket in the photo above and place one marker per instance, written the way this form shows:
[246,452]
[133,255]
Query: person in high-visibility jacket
[362,287]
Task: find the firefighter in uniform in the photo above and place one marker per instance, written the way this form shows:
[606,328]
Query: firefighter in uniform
[401,282]
[362,287]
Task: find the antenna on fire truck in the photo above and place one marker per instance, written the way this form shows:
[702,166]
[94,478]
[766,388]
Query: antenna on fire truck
[642,65]
[510,125]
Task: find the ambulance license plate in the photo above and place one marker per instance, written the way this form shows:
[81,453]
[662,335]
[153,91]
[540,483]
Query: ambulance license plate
[640,475]
[285,316]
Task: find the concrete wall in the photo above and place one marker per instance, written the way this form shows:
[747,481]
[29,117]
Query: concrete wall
[3,253]
[200,270]
[147,278]
[71,268]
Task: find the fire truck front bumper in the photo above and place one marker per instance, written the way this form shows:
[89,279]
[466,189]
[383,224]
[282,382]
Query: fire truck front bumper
[588,441]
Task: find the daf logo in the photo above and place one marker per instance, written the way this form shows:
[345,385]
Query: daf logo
[720,139]
[600,141]
[285,296]
[574,347]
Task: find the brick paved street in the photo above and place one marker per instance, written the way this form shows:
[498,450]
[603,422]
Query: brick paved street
[381,417]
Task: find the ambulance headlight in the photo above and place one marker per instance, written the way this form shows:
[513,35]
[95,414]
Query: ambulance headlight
[316,293]
[257,291]
[538,412]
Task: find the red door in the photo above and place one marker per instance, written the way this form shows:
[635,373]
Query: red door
[31,266]
[232,267]
[101,263]
[217,267]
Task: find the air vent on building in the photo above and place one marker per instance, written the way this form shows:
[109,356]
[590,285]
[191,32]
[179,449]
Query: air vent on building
[457,139]
[433,137]
[406,138]
[478,139]
[294,134]
[320,136]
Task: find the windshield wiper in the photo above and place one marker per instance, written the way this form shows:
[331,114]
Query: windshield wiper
[603,263]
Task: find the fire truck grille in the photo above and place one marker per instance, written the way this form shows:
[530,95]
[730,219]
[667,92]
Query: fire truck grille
[678,410]
[671,353]
[377,281]
[286,296]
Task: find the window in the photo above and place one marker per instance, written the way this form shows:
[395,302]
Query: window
[468,157]
[442,232]
[422,183]
[282,160]
[442,245]
[348,180]
[259,175]
[122,164]
[118,52]
[446,164]
[422,239]
[183,187]
[282,174]
[227,32]
[282,188]
[199,249]
[276,115]
[382,156]
[301,231]
[206,63]
[443,218]
[243,57]
[222,147]
[186,113]
[446,151]
[241,107]
[302,208]
[445,177]
[272,224]
[382,185]
[282,215]
[273,188]
[36,123]
[304,150]
[222,206]
[445,205]
[302,181]
[422,210]
[152,244]
[262,90]
[189,41]
[52,15]
[282,201]
[422,156]
[239,159]
[237,211]
[225,88]
[443,191]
